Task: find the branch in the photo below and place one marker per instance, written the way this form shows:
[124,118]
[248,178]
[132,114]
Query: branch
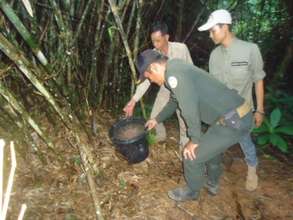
[195,21]
[28,38]
[114,9]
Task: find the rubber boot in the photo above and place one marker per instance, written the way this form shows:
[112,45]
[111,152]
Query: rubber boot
[212,188]
[251,179]
[182,194]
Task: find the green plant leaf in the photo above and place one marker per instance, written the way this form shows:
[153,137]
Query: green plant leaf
[279,142]
[262,129]
[151,138]
[285,130]
[263,139]
[275,117]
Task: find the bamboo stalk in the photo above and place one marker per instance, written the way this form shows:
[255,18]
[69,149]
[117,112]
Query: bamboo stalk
[69,120]
[89,172]
[114,10]
[12,114]
[22,211]
[94,193]
[135,50]
[196,21]
[57,15]
[124,4]
[28,7]
[2,144]
[130,18]
[29,39]
[180,5]
[26,68]
[86,11]
[10,182]
[137,29]
[19,108]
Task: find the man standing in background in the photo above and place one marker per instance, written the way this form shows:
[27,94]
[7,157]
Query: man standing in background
[160,40]
[239,65]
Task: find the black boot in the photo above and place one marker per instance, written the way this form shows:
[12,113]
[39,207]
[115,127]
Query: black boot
[212,188]
[182,194]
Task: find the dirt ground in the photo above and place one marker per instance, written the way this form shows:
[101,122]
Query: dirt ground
[138,192]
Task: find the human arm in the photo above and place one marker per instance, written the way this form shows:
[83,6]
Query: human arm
[165,113]
[167,110]
[139,92]
[151,123]
[258,75]
[259,93]
[187,97]
[129,107]
[187,56]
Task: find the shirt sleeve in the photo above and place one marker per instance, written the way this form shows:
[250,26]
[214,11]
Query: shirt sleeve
[168,109]
[187,55]
[188,102]
[141,89]
[256,64]
[212,64]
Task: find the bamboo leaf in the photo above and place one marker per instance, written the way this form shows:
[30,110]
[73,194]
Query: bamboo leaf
[19,108]
[28,7]
[114,9]
[29,39]
[25,67]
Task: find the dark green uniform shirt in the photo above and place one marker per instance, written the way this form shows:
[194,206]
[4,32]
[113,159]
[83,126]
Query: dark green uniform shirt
[199,97]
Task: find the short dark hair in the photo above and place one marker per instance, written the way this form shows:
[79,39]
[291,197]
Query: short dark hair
[159,26]
[146,58]
[229,26]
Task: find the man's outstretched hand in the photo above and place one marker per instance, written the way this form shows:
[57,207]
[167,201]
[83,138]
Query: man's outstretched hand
[129,108]
[150,124]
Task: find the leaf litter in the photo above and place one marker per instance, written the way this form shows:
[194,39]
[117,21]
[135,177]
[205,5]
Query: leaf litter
[137,192]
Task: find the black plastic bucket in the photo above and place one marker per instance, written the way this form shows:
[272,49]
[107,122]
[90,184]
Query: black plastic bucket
[129,137]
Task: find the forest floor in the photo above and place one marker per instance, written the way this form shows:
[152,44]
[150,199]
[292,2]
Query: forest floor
[138,192]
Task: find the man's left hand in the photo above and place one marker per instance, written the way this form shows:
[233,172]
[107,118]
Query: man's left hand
[190,150]
[258,118]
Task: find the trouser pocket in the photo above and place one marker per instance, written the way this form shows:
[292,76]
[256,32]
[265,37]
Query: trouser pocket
[232,119]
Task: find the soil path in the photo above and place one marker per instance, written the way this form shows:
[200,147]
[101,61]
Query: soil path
[137,192]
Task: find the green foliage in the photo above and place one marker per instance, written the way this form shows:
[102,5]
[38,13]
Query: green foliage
[273,132]
[151,138]
[148,108]
[122,184]
[111,32]
[255,20]
[76,160]
[276,98]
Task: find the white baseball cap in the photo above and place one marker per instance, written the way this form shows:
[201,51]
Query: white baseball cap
[220,16]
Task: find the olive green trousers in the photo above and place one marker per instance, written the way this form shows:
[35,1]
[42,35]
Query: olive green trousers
[207,165]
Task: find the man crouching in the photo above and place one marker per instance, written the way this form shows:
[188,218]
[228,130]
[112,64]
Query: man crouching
[200,98]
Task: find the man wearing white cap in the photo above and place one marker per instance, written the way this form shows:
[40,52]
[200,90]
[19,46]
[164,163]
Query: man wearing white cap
[239,65]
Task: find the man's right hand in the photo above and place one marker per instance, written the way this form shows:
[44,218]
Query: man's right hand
[150,124]
[129,108]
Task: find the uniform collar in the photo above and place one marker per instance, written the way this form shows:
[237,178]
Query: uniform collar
[231,46]
[169,49]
